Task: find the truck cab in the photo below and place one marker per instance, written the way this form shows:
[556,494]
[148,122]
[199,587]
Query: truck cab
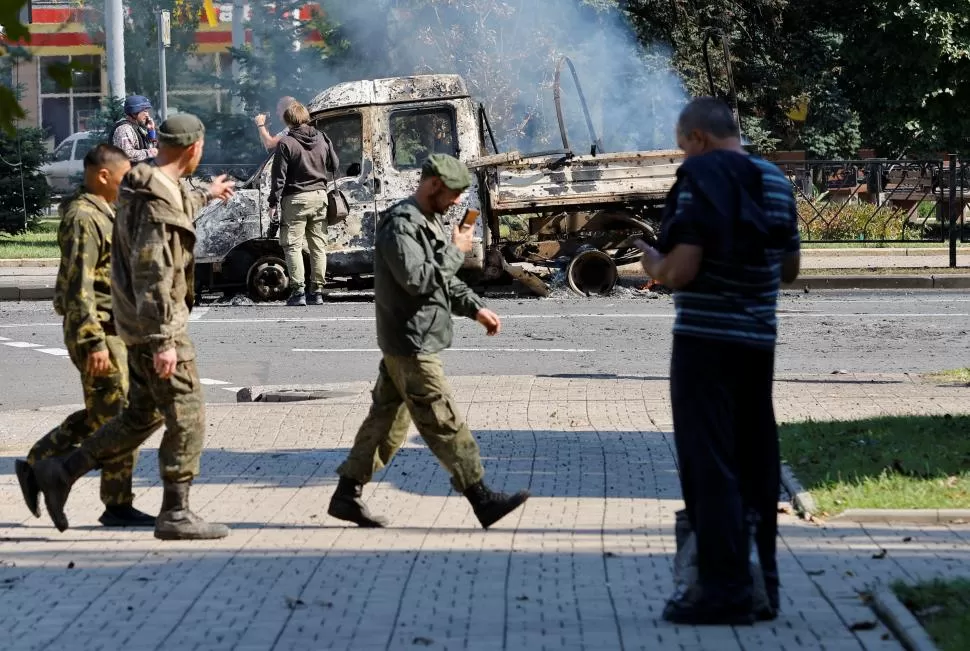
[382,131]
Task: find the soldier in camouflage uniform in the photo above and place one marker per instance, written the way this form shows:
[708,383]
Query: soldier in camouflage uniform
[152,272]
[82,297]
[415,292]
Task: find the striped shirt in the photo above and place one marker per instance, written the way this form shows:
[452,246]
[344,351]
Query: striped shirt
[735,294]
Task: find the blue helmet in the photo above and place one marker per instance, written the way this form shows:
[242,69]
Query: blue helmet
[135,104]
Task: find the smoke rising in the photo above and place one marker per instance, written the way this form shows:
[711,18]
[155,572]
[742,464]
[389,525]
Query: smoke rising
[507,52]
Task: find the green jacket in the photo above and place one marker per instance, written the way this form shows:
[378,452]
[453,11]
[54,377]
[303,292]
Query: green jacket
[82,294]
[152,260]
[415,287]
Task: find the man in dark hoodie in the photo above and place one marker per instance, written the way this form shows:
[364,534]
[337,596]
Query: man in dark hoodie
[303,165]
[728,238]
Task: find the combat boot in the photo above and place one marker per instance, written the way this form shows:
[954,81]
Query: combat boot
[347,505]
[54,478]
[176,522]
[125,515]
[28,486]
[489,506]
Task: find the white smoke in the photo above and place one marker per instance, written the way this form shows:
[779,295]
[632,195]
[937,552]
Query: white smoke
[507,51]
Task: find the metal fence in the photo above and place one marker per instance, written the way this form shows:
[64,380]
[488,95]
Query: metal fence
[876,200]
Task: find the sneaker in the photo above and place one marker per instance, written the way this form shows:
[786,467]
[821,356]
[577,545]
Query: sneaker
[316,298]
[296,299]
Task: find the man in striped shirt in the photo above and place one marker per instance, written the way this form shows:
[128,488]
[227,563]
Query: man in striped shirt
[729,238]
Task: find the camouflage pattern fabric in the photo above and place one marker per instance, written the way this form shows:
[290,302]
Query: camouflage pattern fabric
[414,387]
[305,219]
[104,398]
[82,295]
[177,402]
[152,261]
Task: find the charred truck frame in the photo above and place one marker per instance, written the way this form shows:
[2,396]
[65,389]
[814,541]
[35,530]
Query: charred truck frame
[577,210]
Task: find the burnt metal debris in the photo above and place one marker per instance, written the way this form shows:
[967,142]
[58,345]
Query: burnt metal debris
[543,208]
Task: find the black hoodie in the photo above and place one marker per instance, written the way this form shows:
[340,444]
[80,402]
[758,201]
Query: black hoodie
[304,162]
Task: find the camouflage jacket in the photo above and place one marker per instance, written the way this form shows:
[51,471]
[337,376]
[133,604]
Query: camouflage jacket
[126,137]
[83,291]
[415,286]
[152,260]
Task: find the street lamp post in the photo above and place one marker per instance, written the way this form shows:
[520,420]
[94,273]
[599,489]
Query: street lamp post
[164,40]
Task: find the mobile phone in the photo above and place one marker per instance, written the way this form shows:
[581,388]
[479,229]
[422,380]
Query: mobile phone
[471,216]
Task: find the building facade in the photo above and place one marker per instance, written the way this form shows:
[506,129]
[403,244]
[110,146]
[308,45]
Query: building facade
[59,35]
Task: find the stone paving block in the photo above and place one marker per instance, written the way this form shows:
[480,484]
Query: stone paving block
[586,564]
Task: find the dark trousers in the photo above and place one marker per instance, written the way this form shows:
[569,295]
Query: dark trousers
[727,449]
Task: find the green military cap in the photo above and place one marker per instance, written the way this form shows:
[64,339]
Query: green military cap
[449,169]
[181,130]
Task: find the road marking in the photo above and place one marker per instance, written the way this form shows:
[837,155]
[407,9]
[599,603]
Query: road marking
[59,352]
[198,313]
[453,350]
[21,344]
[4,339]
[211,382]
[233,389]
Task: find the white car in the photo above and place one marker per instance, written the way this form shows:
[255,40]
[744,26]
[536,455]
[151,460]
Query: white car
[66,169]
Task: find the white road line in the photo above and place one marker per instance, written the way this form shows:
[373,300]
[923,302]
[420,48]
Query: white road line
[198,313]
[4,339]
[210,382]
[59,352]
[453,350]
[21,344]
[233,389]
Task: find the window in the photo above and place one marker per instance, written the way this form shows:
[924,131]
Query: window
[195,88]
[83,147]
[415,135]
[63,152]
[64,111]
[347,134]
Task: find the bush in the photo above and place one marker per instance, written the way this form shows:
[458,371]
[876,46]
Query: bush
[833,221]
[24,192]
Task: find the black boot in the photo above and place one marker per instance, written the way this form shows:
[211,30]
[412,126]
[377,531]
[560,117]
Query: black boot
[698,607]
[176,522]
[28,486]
[54,478]
[347,505]
[490,507]
[772,587]
[125,515]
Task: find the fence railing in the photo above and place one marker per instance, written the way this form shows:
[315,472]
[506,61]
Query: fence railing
[880,201]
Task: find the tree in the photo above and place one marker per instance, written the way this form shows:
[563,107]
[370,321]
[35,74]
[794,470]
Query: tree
[24,192]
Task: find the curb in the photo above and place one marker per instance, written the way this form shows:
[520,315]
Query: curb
[909,516]
[943,281]
[877,252]
[801,498]
[293,393]
[900,621]
[30,262]
[26,293]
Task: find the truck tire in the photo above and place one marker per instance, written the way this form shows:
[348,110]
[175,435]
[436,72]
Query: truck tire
[267,279]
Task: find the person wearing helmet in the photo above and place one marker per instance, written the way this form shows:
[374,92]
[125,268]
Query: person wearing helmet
[134,134]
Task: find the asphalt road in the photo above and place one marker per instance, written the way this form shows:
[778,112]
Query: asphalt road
[822,332]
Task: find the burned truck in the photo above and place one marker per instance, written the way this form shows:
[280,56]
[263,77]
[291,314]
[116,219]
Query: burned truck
[576,210]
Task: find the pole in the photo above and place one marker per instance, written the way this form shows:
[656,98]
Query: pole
[164,39]
[238,42]
[953,210]
[115,47]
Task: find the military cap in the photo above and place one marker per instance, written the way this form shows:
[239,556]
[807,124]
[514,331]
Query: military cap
[449,169]
[181,130]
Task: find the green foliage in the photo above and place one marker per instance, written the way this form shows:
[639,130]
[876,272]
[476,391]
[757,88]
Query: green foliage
[827,220]
[281,61]
[24,193]
[942,606]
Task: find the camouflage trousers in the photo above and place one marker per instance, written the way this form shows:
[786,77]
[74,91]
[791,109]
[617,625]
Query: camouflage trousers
[414,387]
[304,219]
[104,398]
[177,402]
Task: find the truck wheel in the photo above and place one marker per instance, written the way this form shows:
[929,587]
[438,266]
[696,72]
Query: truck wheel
[267,279]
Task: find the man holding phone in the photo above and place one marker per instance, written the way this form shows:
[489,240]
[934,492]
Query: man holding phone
[415,292]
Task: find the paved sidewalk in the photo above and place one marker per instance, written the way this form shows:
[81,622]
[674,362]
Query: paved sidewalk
[585,565]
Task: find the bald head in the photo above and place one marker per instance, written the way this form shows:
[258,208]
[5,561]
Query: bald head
[708,115]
